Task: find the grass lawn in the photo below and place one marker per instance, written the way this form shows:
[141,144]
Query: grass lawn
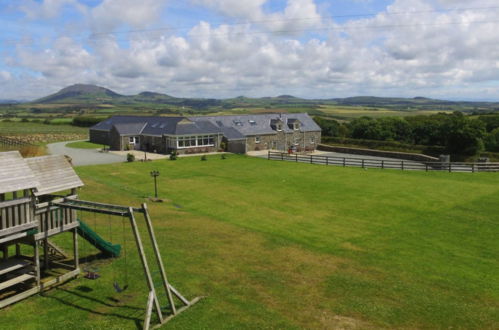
[287,245]
[84,145]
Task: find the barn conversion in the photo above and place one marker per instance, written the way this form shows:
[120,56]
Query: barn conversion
[238,134]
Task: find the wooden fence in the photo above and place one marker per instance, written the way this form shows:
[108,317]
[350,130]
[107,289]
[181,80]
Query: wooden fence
[386,164]
[12,142]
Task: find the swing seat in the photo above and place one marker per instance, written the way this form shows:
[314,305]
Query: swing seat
[91,275]
[117,287]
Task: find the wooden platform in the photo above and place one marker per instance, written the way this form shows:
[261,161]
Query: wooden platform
[16,280]
[13,264]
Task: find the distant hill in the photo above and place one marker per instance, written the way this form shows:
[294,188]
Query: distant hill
[96,95]
[81,93]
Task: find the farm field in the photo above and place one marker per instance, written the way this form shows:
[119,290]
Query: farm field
[285,245]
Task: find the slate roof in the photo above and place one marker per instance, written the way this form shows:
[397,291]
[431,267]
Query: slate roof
[250,125]
[136,125]
[232,127]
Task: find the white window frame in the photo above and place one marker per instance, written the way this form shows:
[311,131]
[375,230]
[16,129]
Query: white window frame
[258,139]
[296,126]
[193,141]
[312,140]
[278,127]
[133,140]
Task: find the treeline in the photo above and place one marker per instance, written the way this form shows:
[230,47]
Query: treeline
[456,133]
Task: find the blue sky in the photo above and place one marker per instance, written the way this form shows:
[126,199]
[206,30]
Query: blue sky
[223,48]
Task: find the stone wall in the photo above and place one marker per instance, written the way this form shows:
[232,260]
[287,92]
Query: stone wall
[99,137]
[379,153]
[302,141]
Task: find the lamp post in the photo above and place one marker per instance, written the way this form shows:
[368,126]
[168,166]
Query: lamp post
[155,174]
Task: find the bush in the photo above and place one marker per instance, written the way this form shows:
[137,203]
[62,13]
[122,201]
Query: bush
[173,155]
[130,157]
[223,156]
[86,121]
[203,157]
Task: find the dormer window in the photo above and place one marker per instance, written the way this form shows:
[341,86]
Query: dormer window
[278,127]
[252,122]
[238,123]
[296,126]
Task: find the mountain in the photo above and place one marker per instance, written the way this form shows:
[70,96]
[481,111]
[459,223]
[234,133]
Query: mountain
[81,93]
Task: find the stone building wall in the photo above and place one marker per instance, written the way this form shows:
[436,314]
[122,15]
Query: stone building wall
[99,137]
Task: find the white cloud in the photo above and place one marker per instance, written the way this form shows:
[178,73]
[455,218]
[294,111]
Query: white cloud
[137,14]
[401,51]
[46,9]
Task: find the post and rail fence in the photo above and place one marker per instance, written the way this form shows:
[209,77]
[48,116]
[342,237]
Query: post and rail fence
[386,164]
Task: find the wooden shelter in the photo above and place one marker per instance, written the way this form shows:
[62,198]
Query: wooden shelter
[31,213]
[27,218]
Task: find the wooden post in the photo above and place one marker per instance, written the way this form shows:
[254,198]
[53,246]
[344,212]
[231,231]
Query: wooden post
[46,252]
[5,250]
[382,164]
[268,155]
[473,168]
[426,167]
[75,248]
[402,165]
[157,254]
[311,159]
[362,163]
[37,263]
[282,156]
[344,162]
[296,157]
[450,167]
[327,160]
[18,250]
[145,266]
[150,300]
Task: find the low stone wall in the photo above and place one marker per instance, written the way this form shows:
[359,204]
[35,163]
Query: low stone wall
[378,153]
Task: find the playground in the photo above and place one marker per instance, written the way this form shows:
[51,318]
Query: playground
[286,245]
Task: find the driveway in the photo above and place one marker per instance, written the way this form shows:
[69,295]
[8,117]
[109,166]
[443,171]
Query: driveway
[84,156]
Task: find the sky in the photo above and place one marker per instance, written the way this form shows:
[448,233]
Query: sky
[446,49]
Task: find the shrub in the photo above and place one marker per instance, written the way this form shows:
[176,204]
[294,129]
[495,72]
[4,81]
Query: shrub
[173,155]
[203,157]
[130,157]
[223,156]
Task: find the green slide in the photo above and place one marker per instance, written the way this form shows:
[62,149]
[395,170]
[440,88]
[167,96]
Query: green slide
[108,248]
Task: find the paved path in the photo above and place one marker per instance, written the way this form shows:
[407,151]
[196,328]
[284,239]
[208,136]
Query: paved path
[84,156]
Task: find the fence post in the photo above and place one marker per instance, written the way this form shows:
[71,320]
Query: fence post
[402,165]
[362,163]
[296,157]
[268,157]
[282,156]
[450,167]
[382,164]
[311,161]
[473,168]
[327,160]
[344,162]
[426,167]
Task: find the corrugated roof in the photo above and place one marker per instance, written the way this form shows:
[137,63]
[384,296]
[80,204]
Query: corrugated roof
[54,174]
[15,174]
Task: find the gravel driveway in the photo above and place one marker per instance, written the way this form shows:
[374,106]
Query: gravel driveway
[84,156]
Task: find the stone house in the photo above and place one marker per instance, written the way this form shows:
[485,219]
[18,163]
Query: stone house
[240,134]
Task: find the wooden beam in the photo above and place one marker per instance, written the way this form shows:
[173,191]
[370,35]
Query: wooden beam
[157,254]
[75,248]
[147,320]
[13,230]
[145,265]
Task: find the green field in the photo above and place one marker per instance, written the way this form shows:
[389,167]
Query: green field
[83,145]
[286,245]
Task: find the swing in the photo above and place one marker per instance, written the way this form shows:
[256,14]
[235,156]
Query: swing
[116,285]
[91,272]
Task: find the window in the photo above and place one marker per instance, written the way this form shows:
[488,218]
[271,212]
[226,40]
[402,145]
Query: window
[195,141]
[257,139]
[296,126]
[297,141]
[279,127]
[312,139]
[252,122]
[133,139]
[238,123]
